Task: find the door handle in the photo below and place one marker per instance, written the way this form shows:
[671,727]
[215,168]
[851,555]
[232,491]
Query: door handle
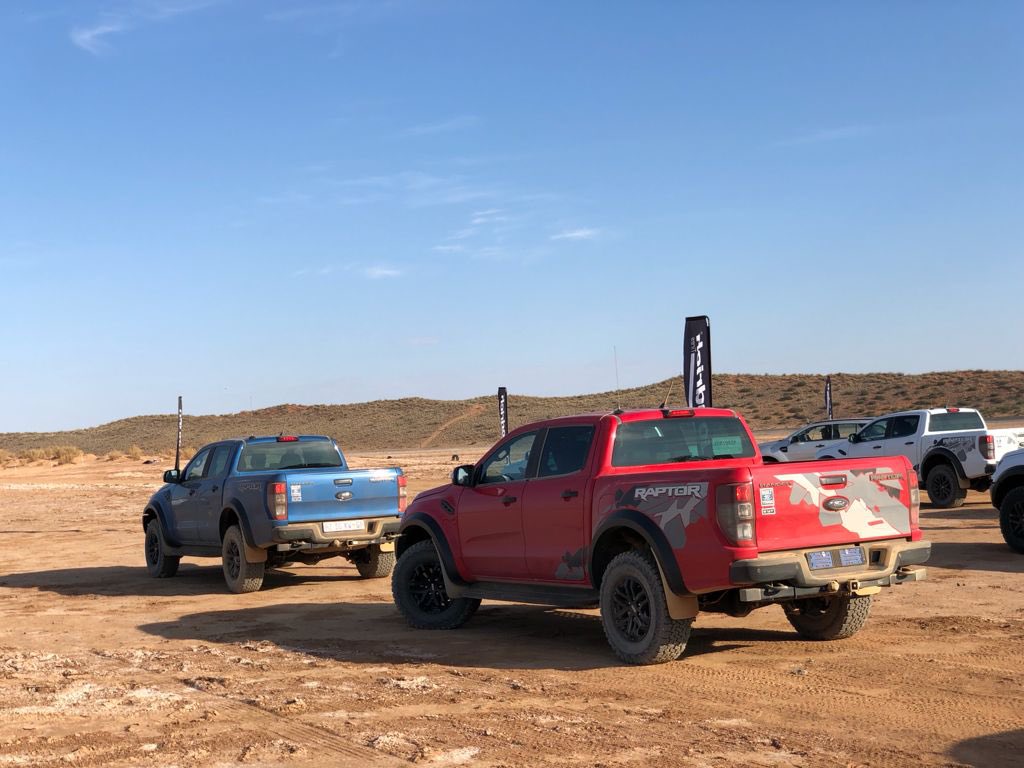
[506,500]
[909,443]
[877,448]
[214,488]
[820,445]
[569,494]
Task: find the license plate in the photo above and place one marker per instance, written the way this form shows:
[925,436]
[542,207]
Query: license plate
[835,558]
[343,525]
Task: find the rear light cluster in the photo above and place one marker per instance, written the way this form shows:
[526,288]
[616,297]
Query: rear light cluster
[403,494]
[987,447]
[277,500]
[734,509]
[915,500]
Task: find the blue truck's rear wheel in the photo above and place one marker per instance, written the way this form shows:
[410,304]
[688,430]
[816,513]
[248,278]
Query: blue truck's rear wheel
[240,575]
[417,585]
[372,563]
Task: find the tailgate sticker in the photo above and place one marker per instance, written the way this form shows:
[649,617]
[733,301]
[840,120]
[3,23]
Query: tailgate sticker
[296,492]
[767,497]
[673,507]
[874,507]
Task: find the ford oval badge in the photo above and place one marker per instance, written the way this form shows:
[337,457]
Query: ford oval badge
[836,504]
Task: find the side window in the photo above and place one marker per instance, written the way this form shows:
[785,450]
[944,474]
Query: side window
[509,461]
[875,430]
[802,436]
[903,426]
[218,464]
[565,450]
[822,432]
[196,467]
[845,430]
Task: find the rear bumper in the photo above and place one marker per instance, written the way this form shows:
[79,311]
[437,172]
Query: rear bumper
[782,575]
[311,535]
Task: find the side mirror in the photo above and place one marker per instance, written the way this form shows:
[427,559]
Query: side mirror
[462,475]
[171,476]
[854,438]
[795,439]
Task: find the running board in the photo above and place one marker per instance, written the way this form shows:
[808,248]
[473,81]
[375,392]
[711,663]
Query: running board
[538,594]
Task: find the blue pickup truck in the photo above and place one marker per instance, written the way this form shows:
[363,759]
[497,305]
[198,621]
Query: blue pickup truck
[263,502]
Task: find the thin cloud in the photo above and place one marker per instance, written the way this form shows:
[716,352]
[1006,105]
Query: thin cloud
[460,123]
[842,133]
[380,273]
[577,234]
[448,249]
[92,38]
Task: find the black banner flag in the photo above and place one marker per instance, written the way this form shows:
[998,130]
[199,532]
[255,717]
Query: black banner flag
[177,446]
[503,410]
[828,396]
[697,362]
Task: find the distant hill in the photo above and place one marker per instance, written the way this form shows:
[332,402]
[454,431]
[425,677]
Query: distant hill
[769,403]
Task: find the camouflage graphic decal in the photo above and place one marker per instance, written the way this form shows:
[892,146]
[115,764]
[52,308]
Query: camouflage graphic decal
[959,446]
[874,507]
[571,567]
[672,507]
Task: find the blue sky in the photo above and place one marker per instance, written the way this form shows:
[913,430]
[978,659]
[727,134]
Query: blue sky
[248,202]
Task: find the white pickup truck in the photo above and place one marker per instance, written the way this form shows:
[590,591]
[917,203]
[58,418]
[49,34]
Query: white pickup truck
[951,448]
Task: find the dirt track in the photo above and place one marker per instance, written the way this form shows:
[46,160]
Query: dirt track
[101,665]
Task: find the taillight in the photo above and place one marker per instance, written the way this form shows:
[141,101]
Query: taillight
[734,509]
[277,500]
[403,497]
[987,447]
[915,499]
[287,439]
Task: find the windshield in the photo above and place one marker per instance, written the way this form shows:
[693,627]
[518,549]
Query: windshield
[667,441]
[304,454]
[953,422]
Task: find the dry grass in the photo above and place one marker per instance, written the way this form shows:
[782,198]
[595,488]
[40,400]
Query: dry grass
[115,455]
[769,403]
[134,452]
[66,454]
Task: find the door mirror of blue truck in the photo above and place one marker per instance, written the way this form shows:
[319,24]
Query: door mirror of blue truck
[461,475]
[171,476]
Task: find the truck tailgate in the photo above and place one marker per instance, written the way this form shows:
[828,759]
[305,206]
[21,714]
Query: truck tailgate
[820,503]
[317,495]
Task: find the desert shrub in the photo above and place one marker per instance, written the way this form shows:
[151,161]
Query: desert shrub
[115,455]
[5,456]
[134,452]
[65,454]
[33,454]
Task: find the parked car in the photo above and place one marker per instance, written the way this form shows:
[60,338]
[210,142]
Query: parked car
[1007,494]
[951,449]
[266,501]
[808,440]
[654,516]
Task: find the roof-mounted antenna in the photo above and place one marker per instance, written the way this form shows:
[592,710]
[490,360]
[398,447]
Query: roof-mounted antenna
[671,383]
[615,355]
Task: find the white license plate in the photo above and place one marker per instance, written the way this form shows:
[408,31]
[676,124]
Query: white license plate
[344,525]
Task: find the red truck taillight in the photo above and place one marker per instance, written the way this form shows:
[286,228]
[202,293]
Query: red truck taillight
[987,447]
[915,500]
[277,500]
[734,508]
[403,497]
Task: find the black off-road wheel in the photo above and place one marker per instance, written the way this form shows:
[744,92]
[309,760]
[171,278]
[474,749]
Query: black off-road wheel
[240,575]
[158,564]
[943,487]
[829,618]
[372,563]
[1011,519]
[634,612]
[417,585]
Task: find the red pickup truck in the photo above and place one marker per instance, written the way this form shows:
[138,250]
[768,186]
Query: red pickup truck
[655,515]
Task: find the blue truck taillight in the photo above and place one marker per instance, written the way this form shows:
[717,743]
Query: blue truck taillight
[403,494]
[277,500]
[734,510]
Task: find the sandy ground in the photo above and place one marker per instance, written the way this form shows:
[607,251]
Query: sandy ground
[101,665]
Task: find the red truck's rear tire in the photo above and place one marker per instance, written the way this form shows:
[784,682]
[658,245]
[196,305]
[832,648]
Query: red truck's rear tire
[829,618]
[634,612]
[417,585]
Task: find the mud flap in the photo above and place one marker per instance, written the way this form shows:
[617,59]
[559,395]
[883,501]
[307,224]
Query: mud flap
[679,606]
[387,546]
[254,554]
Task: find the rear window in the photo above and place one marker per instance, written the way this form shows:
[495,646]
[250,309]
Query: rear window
[953,422]
[305,454]
[668,441]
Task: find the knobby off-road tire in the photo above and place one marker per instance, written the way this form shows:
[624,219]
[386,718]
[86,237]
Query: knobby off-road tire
[634,612]
[943,487]
[372,563]
[158,565]
[829,618]
[240,574]
[417,585]
[1011,519]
